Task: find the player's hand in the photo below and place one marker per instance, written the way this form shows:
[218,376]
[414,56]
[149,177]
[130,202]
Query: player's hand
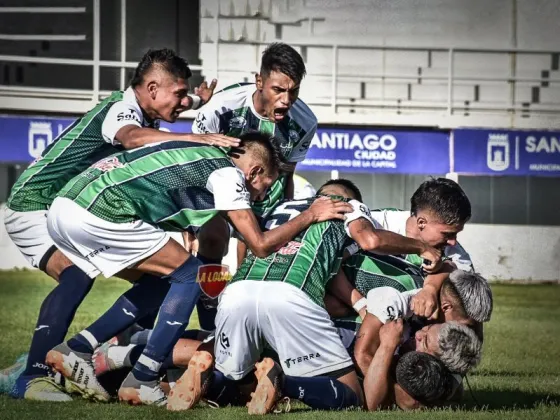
[425,302]
[215,140]
[390,334]
[325,208]
[204,91]
[432,259]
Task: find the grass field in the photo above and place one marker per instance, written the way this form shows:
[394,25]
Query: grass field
[519,377]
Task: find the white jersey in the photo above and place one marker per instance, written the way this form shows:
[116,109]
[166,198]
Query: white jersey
[395,221]
[232,112]
[124,112]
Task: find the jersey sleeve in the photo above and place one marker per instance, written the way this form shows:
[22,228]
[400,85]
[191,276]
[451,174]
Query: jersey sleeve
[360,210]
[229,189]
[388,304]
[459,257]
[208,120]
[120,115]
[300,149]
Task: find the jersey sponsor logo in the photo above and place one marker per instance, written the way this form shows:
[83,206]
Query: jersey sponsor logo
[128,116]
[241,188]
[213,278]
[108,164]
[293,361]
[290,248]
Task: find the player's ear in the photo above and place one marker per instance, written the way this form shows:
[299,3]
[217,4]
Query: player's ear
[421,222]
[255,171]
[152,88]
[259,81]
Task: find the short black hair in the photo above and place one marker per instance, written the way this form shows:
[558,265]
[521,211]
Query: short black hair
[424,377]
[345,183]
[284,59]
[443,197]
[164,58]
[263,148]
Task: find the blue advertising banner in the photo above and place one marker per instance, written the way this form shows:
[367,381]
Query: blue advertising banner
[381,151]
[23,138]
[505,152]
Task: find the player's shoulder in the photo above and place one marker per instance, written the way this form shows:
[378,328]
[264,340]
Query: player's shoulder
[302,114]
[235,93]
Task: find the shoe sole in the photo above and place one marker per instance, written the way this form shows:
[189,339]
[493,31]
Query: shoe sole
[264,399]
[55,360]
[188,391]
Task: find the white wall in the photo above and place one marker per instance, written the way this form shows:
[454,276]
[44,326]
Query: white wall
[505,252]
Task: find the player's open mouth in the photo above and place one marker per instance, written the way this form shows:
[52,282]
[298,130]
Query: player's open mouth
[280,113]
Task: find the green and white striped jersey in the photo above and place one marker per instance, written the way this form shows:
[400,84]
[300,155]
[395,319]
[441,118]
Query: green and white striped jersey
[232,112]
[367,271]
[87,140]
[174,185]
[308,261]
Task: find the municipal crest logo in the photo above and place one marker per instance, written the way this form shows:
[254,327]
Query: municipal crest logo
[108,164]
[213,278]
[497,156]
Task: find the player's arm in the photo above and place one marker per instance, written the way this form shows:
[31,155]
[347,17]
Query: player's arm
[425,303]
[232,197]
[241,252]
[342,289]
[380,241]
[384,304]
[122,125]
[367,342]
[377,381]
[262,244]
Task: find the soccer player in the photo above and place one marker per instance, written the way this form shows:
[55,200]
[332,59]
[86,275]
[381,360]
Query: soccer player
[271,106]
[124,120]
[439,211]
[279,300]
[122,207]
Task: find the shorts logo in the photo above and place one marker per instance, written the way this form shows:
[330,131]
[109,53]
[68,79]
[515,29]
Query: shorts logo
[290,248]
[291,362]
[392,314]
[213,278]
[108,164]
[97,251]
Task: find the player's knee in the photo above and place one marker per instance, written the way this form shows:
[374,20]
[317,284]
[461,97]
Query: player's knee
[55,262]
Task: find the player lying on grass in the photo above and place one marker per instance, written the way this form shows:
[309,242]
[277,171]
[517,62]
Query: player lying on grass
[124,120]
[121,209]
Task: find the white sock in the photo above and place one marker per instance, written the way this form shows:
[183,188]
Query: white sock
[117,354]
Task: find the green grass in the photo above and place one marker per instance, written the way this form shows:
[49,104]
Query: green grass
[519,377]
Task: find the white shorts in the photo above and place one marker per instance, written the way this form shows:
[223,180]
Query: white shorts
[98,246]
[253,313]
[28,231]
